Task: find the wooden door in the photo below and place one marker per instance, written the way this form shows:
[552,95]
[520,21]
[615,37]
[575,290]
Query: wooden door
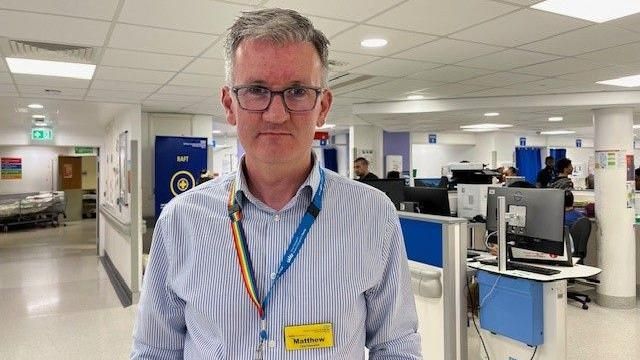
[69,172]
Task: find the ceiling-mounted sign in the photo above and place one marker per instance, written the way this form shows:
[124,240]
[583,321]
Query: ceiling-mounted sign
[523,141]
[578,143]
[433,139]
[41,134]
[79,150]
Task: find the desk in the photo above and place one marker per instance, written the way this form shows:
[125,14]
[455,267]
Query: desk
[554,300]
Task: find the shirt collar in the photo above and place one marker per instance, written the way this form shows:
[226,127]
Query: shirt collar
[242,190]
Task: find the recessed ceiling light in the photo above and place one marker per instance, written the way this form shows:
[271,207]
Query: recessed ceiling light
[486,126]
[556,118]
[626,81]
[326,126]
[592,10]
[37,116]
[557,132]
[415,97]
[492,114]
[216,132]
[51,68]
[636,126]
[480,130]
[373,43]
[35,106]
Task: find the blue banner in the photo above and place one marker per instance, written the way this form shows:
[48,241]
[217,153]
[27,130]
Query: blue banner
[179,161]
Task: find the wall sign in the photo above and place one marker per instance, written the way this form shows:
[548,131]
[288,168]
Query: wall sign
[10,168]
[578,143]
[523,141]
[433,139]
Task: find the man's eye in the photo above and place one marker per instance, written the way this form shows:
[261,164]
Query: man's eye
[256,91]
[298,92]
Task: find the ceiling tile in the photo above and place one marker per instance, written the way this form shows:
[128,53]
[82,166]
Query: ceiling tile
[545,84]
[103,9]
[395,89]
[34,90]
[583,40]
[520,28]
[398,40]
[338,87]
[346,61]
[440,17]
[189,90]
[5,78]
[206,66]
[164,106]
[204,16]
[144,60]
[498,92]
[191,99]
[133,37]
[605,73]
[124,86]
[501,79]
[110,99]
[559,67]
[208,81]
[523,2]
[52,28]
[50,82]
[343,100]
[354,10]
[134,75]
[117,95]
[216,51]
[631,22]
[7,88]
[618,55]
[507,60]
[449,74]
[3,67]
[393,67]
[330,27]
[449,90]
[447,51]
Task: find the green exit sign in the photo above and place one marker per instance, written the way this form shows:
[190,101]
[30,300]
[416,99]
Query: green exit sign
[41,134]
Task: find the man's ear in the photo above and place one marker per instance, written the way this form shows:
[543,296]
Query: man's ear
[226,98]
[325,106]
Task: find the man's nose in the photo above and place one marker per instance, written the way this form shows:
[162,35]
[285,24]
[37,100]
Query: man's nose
[277,111]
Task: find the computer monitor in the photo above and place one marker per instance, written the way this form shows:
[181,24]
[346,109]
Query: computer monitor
[434,201]
[508,180]
[540,224]
[394,188]
[426,182]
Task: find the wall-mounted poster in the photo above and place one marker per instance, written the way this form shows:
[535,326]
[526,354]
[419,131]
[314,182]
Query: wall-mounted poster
[10,168]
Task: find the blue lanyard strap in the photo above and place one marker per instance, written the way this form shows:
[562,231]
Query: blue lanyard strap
[300,235]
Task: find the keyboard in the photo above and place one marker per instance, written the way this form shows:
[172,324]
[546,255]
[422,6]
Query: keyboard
[472,254]
[522,267]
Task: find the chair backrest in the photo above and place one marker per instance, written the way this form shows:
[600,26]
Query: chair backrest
[580,234]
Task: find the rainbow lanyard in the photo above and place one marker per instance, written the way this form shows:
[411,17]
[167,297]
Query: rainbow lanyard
[244,258]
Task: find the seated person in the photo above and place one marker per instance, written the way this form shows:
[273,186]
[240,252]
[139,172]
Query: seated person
[393,174]
[510,171]
[571,215]
[638,178]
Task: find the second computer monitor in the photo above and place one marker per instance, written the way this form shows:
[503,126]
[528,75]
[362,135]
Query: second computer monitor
[434,201]
[540,223]
[393,188]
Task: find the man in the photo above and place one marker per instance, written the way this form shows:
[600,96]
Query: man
[547,174]
[511,171]
[571,215]
[361,169]
[564,169]
[637,171]
[261,263]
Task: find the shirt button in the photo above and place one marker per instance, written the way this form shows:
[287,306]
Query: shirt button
[272,343]
[273,276]
[276,218]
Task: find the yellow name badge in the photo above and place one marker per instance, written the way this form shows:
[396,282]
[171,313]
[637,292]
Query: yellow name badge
[313,336]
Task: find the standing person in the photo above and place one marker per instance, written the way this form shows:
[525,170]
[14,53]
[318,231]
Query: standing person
[361,169]
[564,169]
[547,174]
[262,262]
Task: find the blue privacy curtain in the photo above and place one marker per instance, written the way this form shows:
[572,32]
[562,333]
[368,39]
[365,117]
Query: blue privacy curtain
[528,162]
[557,154]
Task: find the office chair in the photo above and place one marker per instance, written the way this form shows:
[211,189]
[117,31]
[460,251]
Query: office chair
[580,232]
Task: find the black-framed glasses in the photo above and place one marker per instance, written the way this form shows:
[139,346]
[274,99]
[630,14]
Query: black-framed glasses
[259,98]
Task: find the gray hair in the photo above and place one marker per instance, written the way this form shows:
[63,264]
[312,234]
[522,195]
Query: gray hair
[278,25]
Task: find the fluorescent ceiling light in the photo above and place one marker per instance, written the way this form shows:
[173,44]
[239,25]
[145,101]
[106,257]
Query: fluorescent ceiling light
[557,132]
[37,116]
[486,126]
[35,106]
[556,118]
[415,97]
[373,43]
[626,81]
[216,132]
[636,126]
[480,130]
[326,126]
[592,10]
[51,68]
[492,114]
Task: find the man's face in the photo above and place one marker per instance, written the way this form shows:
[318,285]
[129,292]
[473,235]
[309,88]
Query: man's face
[276,136]
[360,168]
[549,162]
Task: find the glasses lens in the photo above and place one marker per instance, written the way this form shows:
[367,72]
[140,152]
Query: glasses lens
[254,98]
[300,99]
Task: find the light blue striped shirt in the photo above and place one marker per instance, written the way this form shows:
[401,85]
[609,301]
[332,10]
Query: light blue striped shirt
[351,271]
